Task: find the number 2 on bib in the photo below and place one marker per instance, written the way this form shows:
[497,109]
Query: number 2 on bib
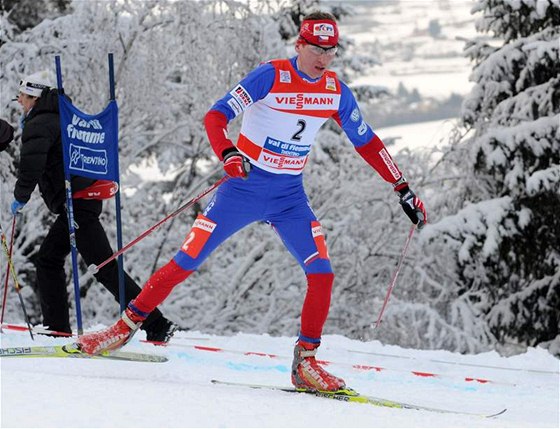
[297,135]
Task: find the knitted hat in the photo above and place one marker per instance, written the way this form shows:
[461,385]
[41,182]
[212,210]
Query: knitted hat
[320,32]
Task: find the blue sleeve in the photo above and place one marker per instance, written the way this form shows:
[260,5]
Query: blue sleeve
[253,87]
[351,120]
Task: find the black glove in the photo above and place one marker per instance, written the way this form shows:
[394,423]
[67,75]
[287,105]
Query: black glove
[413,207]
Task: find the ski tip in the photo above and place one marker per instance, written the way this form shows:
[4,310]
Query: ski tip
[496,414]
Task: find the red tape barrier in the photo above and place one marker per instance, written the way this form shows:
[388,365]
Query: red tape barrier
[358,367]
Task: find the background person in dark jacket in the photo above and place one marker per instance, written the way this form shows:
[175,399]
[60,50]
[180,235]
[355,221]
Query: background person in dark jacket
[6,134]
[41,163]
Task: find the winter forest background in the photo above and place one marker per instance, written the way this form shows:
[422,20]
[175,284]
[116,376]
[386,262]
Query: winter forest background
[484,274]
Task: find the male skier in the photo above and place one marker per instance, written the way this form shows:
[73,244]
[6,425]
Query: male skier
[284,103]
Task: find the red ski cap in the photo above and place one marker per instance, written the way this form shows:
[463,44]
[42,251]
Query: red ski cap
[320,32]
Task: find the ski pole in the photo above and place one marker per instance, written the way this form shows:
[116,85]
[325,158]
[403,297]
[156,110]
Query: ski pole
[7,274]
[95,268]
[14,276]
[395,275]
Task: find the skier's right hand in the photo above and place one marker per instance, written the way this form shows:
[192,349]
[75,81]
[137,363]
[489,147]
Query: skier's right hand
[236,165]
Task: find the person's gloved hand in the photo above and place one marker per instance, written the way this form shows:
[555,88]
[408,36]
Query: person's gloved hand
[16,207]
[413,207]
[236,165]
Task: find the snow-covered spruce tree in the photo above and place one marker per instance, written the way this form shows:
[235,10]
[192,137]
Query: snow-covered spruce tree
[505,233]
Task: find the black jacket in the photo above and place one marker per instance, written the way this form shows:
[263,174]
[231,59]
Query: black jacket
[41,161]
[6,134]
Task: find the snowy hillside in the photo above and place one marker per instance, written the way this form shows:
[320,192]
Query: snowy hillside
[40,392]
[417,43]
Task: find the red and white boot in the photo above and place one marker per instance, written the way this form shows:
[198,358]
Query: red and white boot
[113,337]
[308,374]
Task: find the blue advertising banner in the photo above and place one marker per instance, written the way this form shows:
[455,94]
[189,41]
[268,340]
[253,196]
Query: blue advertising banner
[90,142]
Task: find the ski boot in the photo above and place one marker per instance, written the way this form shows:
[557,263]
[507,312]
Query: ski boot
[113,337]
[308,375]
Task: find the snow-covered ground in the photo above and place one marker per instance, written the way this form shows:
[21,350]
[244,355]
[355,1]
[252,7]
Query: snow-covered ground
[40,392]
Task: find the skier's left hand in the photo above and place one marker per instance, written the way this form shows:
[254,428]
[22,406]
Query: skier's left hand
[413,207]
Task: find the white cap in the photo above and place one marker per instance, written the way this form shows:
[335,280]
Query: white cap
[35,83]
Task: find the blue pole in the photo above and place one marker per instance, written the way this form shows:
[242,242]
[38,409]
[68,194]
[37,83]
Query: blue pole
[120,259]
[70,212]
[111,77]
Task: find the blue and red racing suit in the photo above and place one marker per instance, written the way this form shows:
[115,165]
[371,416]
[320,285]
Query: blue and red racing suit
[283,109]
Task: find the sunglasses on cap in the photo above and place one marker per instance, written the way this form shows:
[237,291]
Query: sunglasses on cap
[32,85]
[319,50]
[25,87]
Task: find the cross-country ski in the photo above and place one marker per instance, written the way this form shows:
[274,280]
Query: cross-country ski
[350,395]
[71,351]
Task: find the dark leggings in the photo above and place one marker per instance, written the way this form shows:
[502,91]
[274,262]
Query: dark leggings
[94,247]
